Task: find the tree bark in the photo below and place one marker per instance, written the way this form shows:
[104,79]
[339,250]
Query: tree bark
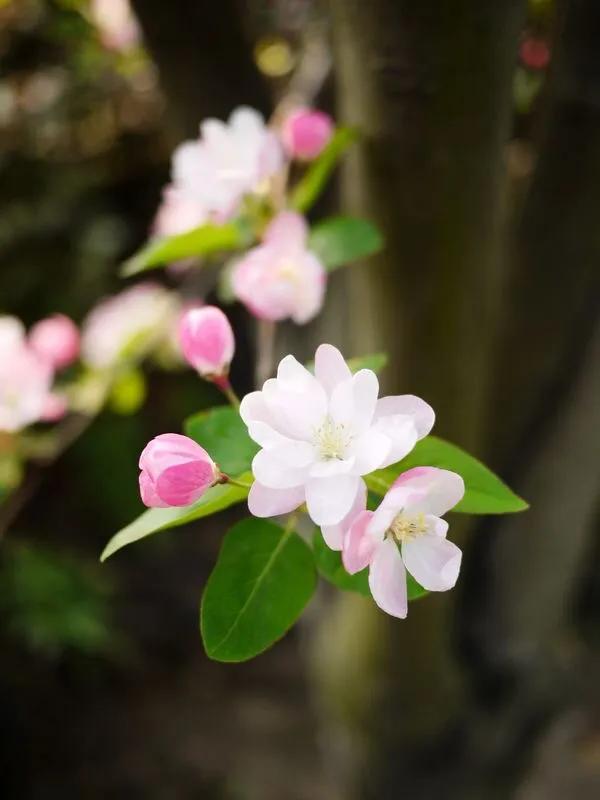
[429,86]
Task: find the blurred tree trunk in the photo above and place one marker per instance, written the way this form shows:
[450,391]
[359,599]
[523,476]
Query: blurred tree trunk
[429,85]
[204,60]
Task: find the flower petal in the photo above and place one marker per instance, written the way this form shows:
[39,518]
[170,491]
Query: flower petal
[353,401]
[401,432]
[273,473]
[387,580]
[330,499]
[334,534]
[359,545]
[296,406]
[265,502]
[288,229]
[430,490]
[332,466]
[330,367]
[371,451]
[409,405]
[433,562]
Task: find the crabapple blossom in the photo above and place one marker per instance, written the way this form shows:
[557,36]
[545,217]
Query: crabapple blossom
[320,433]
[25,379]
[178,213]
[406,533]
[207,340]
[56,340]
[128,325]
[55,407]
[305,132]
[281,278]
[229,160]
[175,471]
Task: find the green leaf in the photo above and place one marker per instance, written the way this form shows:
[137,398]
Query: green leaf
[202,241]
[329,564]
[160,519]
[340,240]
[262,581]
[313,182]
[485,493]
[222,432]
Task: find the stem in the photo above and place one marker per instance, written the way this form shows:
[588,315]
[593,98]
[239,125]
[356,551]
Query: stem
[266,351]
[235,482]
[225,386]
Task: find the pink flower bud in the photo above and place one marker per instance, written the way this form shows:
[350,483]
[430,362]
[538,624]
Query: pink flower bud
[534,53]
[175,471]
[206,340]
[55,407]
[305,133]
[55,340]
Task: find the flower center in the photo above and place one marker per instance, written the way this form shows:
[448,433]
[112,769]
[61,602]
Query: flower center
[406,527]
[332,439]
[287,271]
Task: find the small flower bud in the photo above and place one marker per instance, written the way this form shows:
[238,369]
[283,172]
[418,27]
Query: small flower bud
[305,133]
[207,340]
[175,471]
[55,340]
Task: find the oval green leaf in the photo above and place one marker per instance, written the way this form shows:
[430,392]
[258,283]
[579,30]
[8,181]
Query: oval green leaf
[340,240]
[330,567]
[223,434]
[160,519]
[201,241]
[316,176]
[262,581]
[485,493]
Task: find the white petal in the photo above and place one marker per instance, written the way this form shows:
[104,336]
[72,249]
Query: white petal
[294,410]
[353,401]
[331,467]
[274,474]
[253,407]
[430,490]
[387,580]
[289,229]
[265,502]
[436,526]
[401,432]
[433,562]
[292,372]
[330,499]
[330,367]
[409,405]
[384,514]
[334,534]
[371,451]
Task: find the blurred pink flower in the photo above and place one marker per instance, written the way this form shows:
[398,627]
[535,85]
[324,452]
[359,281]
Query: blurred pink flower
[406,533]
[128,326]
[118,27]
[281,278]
[55,407]
[305,132]
[25,379]
[56,340]
[228,161]
[178,213]
[320,433]
[175,471]
[207,340]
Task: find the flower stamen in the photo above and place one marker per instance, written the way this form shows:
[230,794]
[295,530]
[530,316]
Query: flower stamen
[406,527]
[332,439]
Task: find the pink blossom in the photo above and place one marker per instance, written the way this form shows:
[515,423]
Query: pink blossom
[228,161]
[175,471]
[207,340]
[406,533]
[25,379]
[281,278]
[320,433]
[128,326]
[178,213]
[56,340]
[305,132]
[55,407]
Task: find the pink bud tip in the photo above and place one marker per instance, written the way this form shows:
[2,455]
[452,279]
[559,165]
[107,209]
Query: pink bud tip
[175,471]
[207,340]
[305,133]
[55,407]
[55,340]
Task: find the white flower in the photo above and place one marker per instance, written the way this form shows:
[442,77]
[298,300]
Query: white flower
[128,326]
[320,433]
[228,161]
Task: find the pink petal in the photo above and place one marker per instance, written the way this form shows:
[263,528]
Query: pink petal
[359,546]
[334,534]
[183,484]
[433,562]
[401,432]
[148,492]
[387,580]
[409,405]
[288,228]
[430,490]
[265,502]
[330,367]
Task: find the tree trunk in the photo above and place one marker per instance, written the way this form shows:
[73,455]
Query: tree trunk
[429,86]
